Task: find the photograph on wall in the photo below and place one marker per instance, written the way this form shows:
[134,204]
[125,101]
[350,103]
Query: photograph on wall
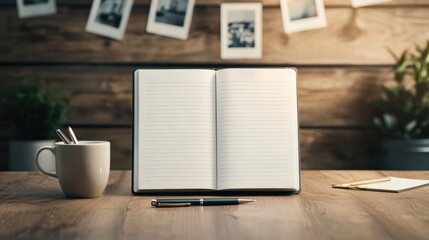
[363,3]
[109,18]
[171,18]
[34,8]
[302,15]
[241,30]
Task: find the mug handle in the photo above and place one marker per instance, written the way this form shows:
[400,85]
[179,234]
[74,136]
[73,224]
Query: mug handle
[52,174]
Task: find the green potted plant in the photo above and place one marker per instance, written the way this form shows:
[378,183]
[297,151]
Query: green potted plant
[402,113]
[36,112]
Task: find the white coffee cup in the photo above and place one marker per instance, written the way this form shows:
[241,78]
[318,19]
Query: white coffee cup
[82,169]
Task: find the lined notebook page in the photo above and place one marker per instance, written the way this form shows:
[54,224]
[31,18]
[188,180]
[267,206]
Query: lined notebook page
[176,129]
[257,126]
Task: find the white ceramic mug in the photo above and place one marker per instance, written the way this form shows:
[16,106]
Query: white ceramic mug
[82,169]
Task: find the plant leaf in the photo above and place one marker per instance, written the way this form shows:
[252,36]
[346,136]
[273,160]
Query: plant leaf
[389,120]
[410,126]
[392,53]
[377,122]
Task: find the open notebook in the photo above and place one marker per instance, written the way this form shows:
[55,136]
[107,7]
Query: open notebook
[207,130]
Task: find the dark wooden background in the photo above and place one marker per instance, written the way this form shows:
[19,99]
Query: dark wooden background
[340,68]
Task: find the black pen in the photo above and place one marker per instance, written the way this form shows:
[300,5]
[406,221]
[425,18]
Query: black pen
[185,202]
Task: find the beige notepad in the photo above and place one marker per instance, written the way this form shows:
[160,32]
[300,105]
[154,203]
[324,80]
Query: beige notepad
[211,130]
[386,184]
[395,185]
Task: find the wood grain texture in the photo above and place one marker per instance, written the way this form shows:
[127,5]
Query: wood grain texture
[338,149]
[353,36]
[33,206]
[103,95]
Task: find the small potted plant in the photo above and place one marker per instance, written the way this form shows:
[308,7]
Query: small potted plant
[36,112]
[402,113]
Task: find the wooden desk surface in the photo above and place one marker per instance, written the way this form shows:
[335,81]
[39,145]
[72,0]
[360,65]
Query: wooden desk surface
[33,206]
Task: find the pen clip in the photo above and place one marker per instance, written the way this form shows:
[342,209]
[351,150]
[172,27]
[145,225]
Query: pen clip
[157,204]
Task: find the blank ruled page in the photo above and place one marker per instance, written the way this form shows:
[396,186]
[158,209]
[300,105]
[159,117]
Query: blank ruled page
[257,129]
[176,129]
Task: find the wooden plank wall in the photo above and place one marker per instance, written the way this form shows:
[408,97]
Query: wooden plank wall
[340,68]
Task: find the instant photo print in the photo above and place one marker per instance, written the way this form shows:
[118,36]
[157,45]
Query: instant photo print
[171,18]
[34,8]
[302,15]
[109,18]
[241,30]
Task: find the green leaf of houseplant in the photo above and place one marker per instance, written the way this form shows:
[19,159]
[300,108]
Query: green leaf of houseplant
[389,120]
[403,109]
[35,109]
[411,126]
